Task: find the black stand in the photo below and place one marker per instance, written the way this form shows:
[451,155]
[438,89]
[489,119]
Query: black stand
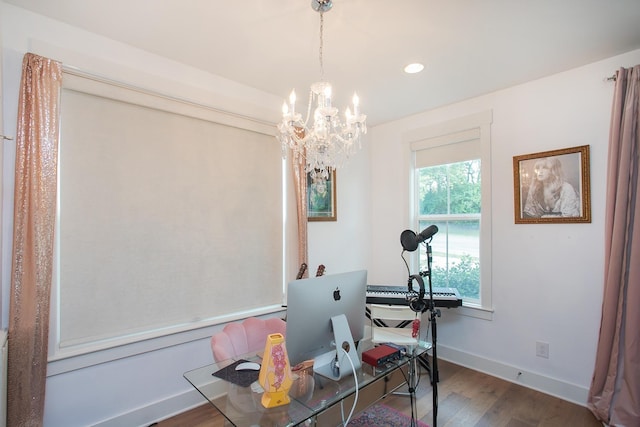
[433,314]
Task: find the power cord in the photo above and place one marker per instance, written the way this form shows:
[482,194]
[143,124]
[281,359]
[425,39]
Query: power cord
[355,399]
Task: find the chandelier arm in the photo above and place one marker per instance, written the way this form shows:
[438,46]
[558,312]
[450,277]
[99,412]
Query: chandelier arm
[301,141]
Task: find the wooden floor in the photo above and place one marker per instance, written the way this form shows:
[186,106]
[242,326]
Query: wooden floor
[466,398]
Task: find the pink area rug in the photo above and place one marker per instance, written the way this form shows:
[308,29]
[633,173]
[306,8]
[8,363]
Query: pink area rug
[380,415]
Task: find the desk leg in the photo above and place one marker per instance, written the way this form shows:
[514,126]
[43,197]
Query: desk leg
[423,359]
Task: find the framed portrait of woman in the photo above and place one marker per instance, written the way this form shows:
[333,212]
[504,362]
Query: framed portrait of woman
[552,186]
[321,197]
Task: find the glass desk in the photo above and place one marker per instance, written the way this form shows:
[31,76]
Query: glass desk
[314,399]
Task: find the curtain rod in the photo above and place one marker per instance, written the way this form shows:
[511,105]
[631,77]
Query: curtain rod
[611,78]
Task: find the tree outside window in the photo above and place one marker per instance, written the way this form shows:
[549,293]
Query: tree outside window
[449,196]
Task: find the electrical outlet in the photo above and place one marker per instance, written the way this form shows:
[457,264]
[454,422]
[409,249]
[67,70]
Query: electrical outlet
[542,349]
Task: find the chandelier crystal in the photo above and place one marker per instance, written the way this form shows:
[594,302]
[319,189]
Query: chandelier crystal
[322,141]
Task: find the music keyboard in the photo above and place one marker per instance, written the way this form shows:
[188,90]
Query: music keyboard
[397,295]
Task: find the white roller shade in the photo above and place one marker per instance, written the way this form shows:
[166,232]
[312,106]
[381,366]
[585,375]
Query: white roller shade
[165,218]
[450,148]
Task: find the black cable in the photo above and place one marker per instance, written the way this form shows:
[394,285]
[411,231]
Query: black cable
[412,390]
[413,408]
[405,262]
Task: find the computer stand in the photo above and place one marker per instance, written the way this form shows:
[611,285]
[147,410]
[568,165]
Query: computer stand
[334,364]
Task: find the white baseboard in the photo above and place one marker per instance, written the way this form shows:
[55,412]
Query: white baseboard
[563,390]
[157,411]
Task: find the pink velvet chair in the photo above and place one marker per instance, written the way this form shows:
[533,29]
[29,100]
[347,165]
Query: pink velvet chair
[244,337]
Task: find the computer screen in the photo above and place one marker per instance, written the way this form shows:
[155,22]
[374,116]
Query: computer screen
[311,304]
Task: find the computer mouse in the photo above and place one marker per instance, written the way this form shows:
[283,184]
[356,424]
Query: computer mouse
[248,366]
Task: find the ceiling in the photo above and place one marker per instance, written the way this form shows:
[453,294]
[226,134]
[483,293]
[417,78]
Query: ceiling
[469,47]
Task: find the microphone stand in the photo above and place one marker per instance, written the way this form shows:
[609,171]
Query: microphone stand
[433,314]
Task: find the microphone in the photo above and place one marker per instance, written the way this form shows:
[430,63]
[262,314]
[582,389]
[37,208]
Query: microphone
[427,233]
[410,240]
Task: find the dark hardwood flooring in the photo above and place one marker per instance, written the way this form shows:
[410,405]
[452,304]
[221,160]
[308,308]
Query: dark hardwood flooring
[466,398]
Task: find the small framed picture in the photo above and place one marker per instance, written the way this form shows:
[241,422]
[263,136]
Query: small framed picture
[321,197]
[552,186]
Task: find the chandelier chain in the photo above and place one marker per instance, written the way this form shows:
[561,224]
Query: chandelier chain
[321,46]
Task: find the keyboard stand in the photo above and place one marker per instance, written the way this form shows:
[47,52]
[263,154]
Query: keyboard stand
[422,358]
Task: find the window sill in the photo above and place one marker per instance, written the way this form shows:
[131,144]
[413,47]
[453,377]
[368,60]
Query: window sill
[473,310]
[60,362]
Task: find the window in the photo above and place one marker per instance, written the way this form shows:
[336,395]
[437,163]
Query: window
[449,197]
[157,198]
[451,189]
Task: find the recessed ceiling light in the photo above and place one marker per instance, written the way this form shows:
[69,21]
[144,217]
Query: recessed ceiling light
[413,68]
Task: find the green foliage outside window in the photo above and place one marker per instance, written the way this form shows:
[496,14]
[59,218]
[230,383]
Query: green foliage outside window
[463,275]
[450,197]
[450,189]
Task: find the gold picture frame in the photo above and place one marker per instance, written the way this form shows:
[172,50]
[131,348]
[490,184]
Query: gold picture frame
[552,186]
[321,198]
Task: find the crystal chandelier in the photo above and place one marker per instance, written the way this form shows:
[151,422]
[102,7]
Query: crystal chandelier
[325,142]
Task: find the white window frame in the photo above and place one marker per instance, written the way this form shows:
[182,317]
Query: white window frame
[476,126]
[61,361]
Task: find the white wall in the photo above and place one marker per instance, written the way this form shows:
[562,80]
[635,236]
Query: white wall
[142,383]
[547,279]
[345,245]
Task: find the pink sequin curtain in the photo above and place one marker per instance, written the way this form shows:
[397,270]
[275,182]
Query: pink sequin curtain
[300,187]
[614,396]
[33,234]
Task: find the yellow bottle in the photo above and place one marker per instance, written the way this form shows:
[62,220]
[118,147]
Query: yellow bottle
[275,372]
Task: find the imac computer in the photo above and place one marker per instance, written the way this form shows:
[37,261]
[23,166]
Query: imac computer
[325,318]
